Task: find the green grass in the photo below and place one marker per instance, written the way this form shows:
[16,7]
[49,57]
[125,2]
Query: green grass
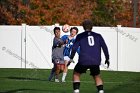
[35,81]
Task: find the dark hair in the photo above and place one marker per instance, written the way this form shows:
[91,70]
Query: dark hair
[75,28]
[56,28]
[87,24]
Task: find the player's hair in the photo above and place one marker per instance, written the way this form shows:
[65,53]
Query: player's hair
[87,24]
[75,28]
[56,28]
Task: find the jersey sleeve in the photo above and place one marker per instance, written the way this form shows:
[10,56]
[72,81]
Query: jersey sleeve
[75,47]
[54,42]
[104,47]
[78,50]
[64,38]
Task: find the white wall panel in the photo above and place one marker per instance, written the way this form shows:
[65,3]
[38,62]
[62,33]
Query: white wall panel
[33,44]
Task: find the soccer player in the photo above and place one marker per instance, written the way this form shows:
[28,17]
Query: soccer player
[90,44]
[57,54]
[69,40]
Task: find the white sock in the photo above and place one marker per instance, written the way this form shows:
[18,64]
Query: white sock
[101,91]
[64,76]
[76,91]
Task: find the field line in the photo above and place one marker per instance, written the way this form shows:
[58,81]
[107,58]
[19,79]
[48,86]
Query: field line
[109,82]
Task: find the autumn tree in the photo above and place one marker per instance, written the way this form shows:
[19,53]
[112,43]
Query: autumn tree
[72,12]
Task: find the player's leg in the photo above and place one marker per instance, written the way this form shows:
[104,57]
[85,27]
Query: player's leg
[62,66]
[66,59]
[99,83]
[52,74]
[65,71]
[78,70]
[57,73]
[95,72]
[76,82]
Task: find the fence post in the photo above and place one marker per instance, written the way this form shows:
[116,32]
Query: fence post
[23,46]
[118,47]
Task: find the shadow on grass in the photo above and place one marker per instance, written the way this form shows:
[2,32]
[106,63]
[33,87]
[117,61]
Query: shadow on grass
[26,78]
[21,90]
[32,91]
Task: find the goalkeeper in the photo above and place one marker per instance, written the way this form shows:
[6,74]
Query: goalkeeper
[90,44]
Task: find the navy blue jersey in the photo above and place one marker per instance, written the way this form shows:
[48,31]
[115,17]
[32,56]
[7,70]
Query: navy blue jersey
[68,46]
[90,44]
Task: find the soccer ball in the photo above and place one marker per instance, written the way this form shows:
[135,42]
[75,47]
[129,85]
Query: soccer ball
[66,28]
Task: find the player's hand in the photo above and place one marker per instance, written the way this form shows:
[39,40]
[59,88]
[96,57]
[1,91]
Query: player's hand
[66,41]
[107,62]
[71,60]
[60,44]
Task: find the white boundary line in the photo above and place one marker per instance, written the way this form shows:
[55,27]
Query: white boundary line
[103,82]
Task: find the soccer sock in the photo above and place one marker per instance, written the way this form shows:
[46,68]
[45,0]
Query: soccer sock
[100,87]
[76,86]
[64,76]
[76,91]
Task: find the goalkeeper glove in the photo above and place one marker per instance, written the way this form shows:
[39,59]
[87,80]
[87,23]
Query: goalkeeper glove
[107,62]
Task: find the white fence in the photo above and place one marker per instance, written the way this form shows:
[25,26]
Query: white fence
[30,47]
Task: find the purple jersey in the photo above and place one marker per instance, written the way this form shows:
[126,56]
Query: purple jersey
[90,44]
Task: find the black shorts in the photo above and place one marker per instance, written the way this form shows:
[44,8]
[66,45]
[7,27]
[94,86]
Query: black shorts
[94,69]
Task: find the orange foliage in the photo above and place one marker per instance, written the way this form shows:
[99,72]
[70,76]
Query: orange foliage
[72,12]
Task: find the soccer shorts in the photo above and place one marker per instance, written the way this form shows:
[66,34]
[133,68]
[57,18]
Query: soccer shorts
[58,61]
[94,69]
[66,58]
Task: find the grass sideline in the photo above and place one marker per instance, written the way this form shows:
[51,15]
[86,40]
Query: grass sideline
[35,81]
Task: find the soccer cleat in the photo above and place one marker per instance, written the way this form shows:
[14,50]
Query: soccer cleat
[101,91]
[56,80]
[63,81]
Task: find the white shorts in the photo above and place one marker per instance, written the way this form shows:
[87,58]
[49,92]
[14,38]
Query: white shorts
[66,58]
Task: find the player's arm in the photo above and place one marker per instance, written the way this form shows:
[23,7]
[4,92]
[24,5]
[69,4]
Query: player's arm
[73,53]
[75,47]
[105,50]
[57,43]
[65,39]
[78,50]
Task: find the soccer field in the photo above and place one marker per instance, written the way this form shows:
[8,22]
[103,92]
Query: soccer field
[35,81]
